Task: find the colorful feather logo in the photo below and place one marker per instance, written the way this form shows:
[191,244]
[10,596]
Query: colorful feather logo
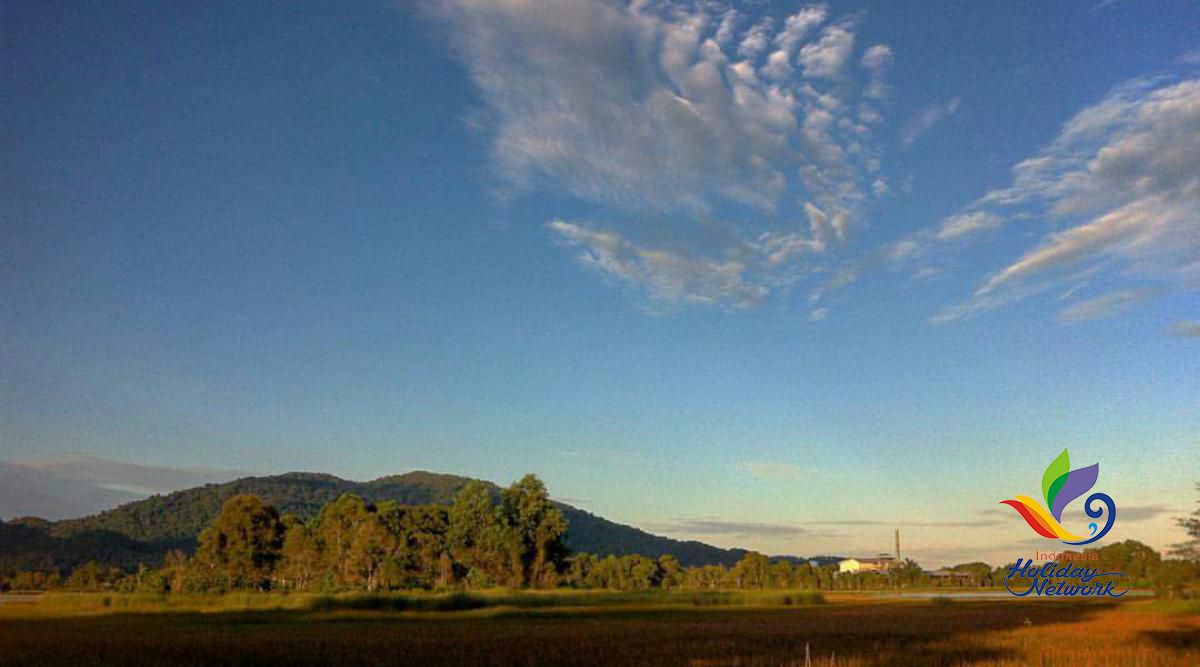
[1060,487]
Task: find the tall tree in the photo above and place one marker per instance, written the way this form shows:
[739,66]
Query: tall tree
[474,535]
[341,528]
[1189,550]
[301,555]
[670,572]
[242,544]
[419,552]
[534,528]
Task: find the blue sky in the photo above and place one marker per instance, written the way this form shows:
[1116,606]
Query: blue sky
[775,275]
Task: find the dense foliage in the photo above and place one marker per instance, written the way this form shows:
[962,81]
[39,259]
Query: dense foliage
[146,531]
[352,544]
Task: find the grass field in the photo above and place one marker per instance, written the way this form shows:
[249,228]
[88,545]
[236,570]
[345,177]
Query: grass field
[507,628]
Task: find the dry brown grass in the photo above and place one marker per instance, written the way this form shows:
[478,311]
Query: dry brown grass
[854,631]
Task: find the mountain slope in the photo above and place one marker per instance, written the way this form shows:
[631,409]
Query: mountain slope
[143,530]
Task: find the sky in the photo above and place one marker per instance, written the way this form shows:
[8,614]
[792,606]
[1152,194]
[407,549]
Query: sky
[775,275]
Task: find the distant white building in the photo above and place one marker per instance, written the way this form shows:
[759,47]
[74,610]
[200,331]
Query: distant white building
[866,564]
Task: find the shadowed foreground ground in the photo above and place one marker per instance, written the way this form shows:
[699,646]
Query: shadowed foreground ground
[853,633]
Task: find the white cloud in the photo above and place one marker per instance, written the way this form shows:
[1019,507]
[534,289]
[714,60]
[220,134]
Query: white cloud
[1103,306]
[1123,177]
[876,60]
[799,26]
[726,29]
[827,58]
[756,39]
[667,276]
[818,314]
[958,226]
[926,118]
[680,113]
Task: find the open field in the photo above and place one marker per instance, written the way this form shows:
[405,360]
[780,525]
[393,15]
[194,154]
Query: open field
[600,629]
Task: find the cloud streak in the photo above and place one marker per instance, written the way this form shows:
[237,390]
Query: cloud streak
[1104,306]
[746,529]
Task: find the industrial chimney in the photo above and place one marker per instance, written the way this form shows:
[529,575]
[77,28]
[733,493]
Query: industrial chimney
[897,546]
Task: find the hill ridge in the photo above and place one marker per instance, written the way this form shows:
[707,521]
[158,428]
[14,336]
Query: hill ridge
[144,530]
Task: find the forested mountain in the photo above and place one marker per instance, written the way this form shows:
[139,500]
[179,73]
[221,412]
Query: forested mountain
[143,531]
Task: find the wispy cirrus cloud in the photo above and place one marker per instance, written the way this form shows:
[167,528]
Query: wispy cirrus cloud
[1104,306]
[1122,181]
[924,120]
[683,113]
[967,224]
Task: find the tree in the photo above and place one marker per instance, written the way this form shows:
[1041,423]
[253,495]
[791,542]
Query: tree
[371,543]
[92,576]
[782,574]
[1189,550]
[641,573]
[1135,559]
[341,529]
[177,570]
[242,544]
[418,554]
[532,529]
[752,571]
[474,535]
[974,574]
[670,572]
[1172,577]
[301,555]
[580,567]
[705,577]
[908,573]
[606,573]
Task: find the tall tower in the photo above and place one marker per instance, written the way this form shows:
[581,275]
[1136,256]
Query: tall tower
[897,546]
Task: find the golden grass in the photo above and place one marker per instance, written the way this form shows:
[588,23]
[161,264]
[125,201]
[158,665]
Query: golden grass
[575,628]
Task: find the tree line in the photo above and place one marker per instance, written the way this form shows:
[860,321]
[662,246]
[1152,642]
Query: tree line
[513,540]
